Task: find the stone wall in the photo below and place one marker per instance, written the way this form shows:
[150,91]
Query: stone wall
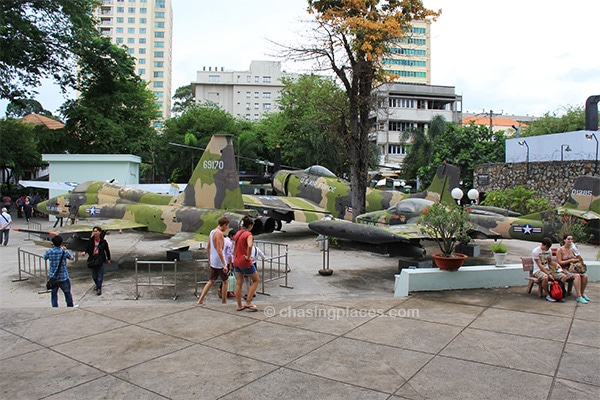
[551,180]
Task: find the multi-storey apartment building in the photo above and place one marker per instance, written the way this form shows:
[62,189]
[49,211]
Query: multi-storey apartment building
[404,107]
[245,94]
[145,28]
[409,58]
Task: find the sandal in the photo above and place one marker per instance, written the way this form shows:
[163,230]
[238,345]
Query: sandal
[252,308]
[240,309]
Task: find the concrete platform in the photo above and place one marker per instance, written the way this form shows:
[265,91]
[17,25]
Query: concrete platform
[338,337]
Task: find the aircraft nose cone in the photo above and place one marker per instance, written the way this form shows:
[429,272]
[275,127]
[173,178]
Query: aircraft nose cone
[42,207]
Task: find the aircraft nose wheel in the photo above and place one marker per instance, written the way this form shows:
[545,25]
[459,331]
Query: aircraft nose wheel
[325,271]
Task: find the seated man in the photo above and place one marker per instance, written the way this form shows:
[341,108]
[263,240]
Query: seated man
[546,269]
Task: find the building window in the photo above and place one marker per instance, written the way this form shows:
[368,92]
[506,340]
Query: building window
[158,74]
[131,20]
[214,78]
[120,20]
[248,78]
[248,94]
[398,102]
[119,40]
[142,40]
[142,31]
[256,117]
[256,106]
[158,95]
[160,4]
[142,50]
[130,40]
[247,106]
[119,29]
[247,116]
[266,95]
[131,10]
[266,79]
[143,10]
[159,14]
[256,95]
[159,45]
[396,149]
[267,106]
[141,61]
[143,20]
[141,71]
[400,126]
[256,79]
[159,25]
[131,51]
[159,34]
[159,54]
[157,84]
[121,9]
[159,64]
[131,31]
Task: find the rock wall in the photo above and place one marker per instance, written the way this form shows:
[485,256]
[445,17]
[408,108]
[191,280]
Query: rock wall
[551,180]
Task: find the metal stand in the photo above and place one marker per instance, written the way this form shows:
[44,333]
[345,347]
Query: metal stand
[325,271]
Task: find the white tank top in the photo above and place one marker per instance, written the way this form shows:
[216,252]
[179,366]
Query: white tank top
[215,260]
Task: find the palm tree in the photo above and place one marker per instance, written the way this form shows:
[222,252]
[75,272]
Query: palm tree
[417,163]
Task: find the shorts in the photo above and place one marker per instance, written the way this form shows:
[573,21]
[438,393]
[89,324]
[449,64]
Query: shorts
[540,275]
[217,273]
[560,275]
[245,271]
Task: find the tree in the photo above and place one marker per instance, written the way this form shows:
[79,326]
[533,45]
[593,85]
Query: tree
[114,111]
[350,38]
[19,152]
[183,99]
[466,147]
[572,120]
[313,109]
[19,108]
[417,163]
[38,39]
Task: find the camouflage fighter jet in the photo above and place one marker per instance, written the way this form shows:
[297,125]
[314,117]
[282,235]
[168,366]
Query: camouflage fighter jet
[315,192]
[212,192]
[398,224]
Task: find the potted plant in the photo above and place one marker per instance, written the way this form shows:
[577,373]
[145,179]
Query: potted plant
[444,224]
[499,251]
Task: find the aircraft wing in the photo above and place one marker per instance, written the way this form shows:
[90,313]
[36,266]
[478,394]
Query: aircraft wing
[67,186]
[303,210]
[185,239]
[372,234]
[587,215]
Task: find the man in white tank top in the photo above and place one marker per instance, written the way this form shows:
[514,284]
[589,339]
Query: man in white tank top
[216,260]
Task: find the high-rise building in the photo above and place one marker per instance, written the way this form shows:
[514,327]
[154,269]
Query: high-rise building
[244,94]
[145,28]
[409,58]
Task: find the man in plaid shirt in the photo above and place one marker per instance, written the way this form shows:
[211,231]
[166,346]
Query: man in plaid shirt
[55,255]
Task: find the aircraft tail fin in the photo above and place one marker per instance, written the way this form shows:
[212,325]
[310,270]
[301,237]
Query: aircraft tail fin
[215,182]
[446,178]
[585,195]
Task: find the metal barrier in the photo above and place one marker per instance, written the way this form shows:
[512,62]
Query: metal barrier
[150,276]
[32,264]
[274,266]
[200,263]
[33,226]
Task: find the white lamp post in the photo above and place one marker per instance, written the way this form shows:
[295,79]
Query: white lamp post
[457,195]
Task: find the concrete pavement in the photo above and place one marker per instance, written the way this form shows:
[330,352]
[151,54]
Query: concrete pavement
[343,336]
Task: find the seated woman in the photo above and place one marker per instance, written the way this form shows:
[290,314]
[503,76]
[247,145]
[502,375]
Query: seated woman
[572,261]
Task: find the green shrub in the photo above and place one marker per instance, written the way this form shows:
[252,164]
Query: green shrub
[519,199]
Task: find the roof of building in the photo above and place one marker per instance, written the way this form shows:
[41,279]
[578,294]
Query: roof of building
[37,119]
[496,121]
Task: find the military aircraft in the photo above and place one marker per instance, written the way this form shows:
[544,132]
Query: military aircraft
[398,224]
[212,192]
[310,194]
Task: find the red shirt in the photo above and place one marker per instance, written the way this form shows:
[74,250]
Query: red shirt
[240,250]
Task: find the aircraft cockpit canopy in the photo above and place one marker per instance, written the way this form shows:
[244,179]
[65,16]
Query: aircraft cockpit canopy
[319,170]
[410,206]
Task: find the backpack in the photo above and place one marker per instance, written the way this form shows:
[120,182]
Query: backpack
[556,291]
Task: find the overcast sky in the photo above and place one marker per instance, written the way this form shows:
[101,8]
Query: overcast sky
[524,57]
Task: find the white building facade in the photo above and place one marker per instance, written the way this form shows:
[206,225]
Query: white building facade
[145,29]
[244,94]
[409,58]
[404,107]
